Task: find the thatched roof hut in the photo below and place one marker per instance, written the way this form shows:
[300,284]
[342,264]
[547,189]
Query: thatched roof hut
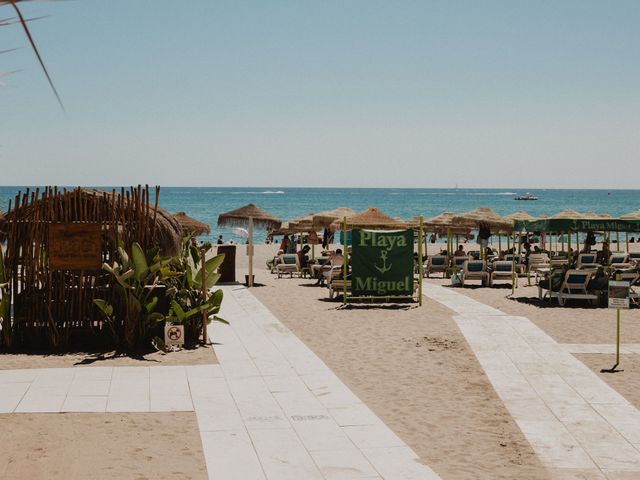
[128,213]
[240,218]
[372,218]
[327,217]
[190,225]
[518,216]
[483,217]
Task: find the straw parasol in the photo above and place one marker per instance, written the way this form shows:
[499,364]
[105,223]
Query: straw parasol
[302,224]
[249,216]
[190,225]
[483,217]
[326,218]
[520,215]
[371,218]
[568,214]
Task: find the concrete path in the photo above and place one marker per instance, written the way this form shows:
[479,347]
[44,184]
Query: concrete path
[579,426]
[287,416]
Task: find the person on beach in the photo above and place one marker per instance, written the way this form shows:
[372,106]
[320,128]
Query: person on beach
[603,255]
[220,241]
[284,246]
[303,258]
[460,252]
[336,259]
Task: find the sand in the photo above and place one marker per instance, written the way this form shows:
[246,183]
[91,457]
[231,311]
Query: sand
[198,356]
[101,446]
[414,369]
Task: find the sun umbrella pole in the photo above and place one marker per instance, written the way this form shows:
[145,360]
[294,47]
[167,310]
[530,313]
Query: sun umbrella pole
[420,262]
[345,254]
[205,313]
[250,252]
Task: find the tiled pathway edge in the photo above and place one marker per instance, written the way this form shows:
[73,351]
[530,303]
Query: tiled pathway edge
[578,425]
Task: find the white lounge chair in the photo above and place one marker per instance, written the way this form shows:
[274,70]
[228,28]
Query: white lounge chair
[475,270]
[503,270]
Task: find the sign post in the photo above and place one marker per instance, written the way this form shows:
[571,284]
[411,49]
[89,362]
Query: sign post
[618,299]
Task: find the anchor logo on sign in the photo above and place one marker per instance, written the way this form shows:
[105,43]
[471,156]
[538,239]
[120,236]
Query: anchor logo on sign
[384,268]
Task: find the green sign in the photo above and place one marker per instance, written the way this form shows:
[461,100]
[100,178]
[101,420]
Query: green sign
[569,225]
[382,263]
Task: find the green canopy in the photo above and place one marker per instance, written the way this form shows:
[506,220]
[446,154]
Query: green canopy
[578,225]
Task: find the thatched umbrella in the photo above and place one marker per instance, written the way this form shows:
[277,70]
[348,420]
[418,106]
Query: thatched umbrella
[483,217]
[326,218]
[371,218]
[520,215]
[568,214]
[191,225]
[249,216]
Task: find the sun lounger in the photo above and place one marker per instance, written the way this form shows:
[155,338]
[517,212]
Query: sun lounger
[520,270]
[619,261]
[436,263]
[587,261]
[536,262]
[475,270]
[288,263]
[503,270]
[574,287]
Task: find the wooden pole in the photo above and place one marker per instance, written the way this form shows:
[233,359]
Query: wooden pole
[205,313]
[345,254]
[250,253]
[420,261]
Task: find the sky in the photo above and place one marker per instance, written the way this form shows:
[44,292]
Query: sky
[352,93]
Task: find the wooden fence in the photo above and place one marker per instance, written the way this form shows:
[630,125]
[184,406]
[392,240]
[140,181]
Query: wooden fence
[51,290]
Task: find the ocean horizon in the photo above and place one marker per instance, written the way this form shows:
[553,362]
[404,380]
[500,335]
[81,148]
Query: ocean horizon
[287,203]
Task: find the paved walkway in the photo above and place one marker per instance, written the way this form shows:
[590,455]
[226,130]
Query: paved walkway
[578,425]
[287,415]
[272,410]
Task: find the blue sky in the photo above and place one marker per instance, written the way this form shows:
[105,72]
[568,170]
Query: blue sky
[361,93]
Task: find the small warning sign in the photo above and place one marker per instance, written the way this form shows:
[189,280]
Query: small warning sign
[174,335]
[618,294]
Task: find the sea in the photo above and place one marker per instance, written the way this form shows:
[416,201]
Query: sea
[206,203]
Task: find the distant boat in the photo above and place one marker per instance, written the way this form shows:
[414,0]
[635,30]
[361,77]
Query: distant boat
[526,196]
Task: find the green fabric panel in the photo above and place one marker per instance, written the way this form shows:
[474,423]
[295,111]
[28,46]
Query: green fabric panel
[568,225]
[382,263]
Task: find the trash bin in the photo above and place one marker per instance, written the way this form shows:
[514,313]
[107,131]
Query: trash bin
[227,270]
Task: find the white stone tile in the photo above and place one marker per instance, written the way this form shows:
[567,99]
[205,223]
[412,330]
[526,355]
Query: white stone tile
[283,456]
[8,403]
[344,464]
[170,403]
[217,413]
[138,403]
[320,432]
[373,436]
[624,418]
[89,387]
[398,463]
[13,389]
[594,390]
[19,376]
[554,445]
[40,403]
[85,404]
[230,455]
[354,415]
[93,373]
[207,387]
[553,389]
